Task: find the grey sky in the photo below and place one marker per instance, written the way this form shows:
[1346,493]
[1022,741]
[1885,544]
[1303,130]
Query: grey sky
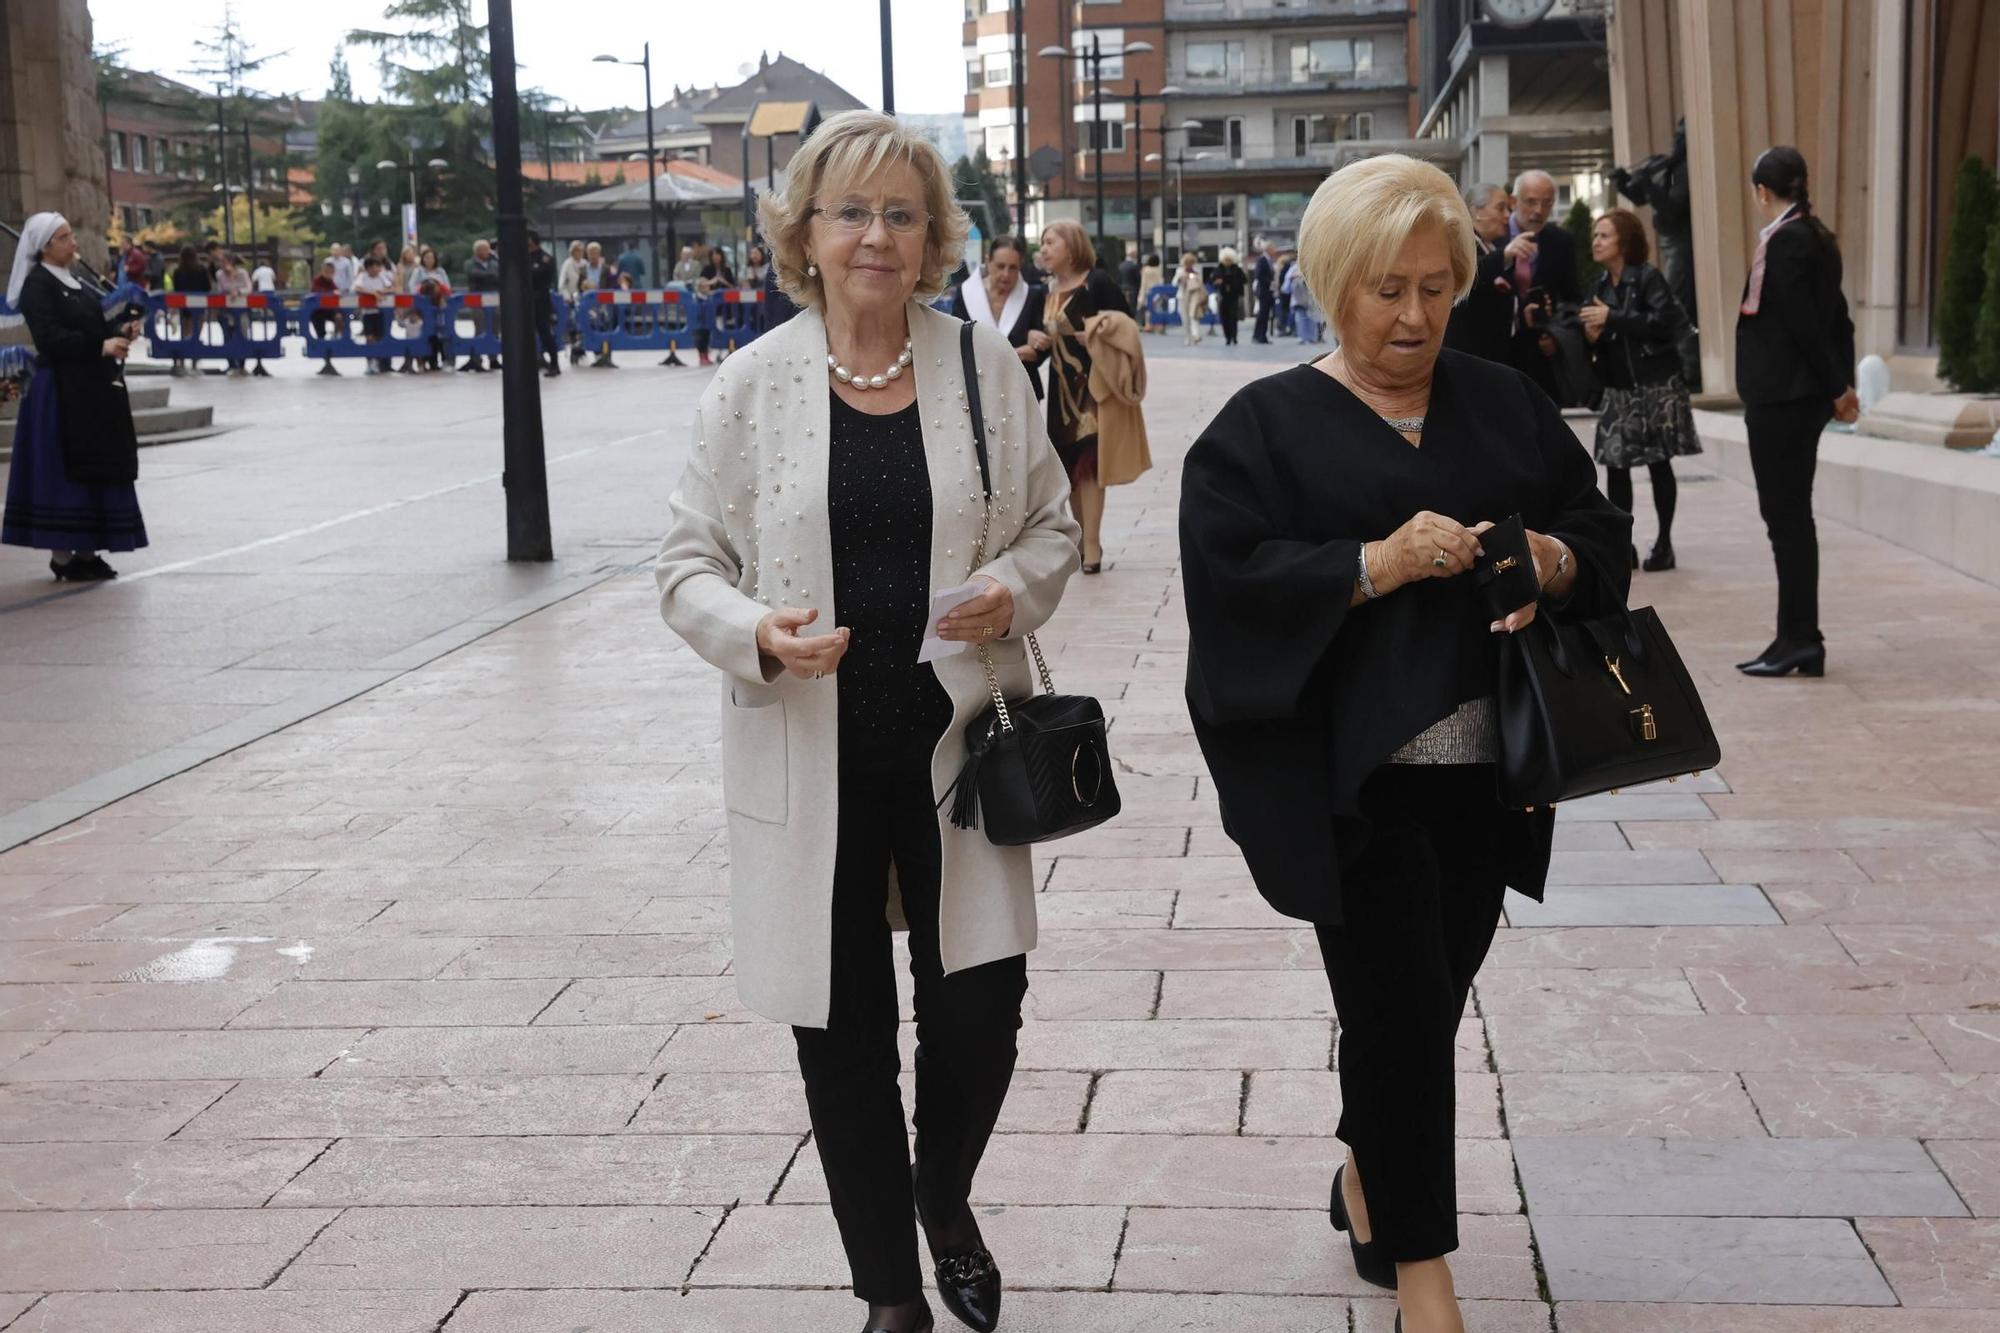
[694,42]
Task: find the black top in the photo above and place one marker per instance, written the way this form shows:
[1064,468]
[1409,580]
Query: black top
[878,502]
[100,445]
[1025,323]
[1296,699]
[1482,325]
[1639,344]
[542,280]
[1230,285]
[1800,343]
[193,277]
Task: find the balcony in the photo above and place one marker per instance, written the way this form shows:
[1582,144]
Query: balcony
[1281,13]
[1278,81]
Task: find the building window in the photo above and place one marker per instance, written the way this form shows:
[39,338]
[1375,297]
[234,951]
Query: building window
[129,216]
[117,152]
[1364,125]
[999,68]
[1332,58]
[1221,132]
[139,152]
[1212,62]
[999,142]
[1111,131]
[974,80]
[161,158]
[1310,132]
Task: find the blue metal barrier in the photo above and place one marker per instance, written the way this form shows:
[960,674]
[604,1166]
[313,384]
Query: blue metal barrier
[635,321]
[733,317]
[352,315]
[479,309]
[211,326]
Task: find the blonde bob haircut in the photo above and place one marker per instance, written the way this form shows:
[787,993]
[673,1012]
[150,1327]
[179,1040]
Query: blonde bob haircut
[846,153]
[1082,254]
[1360,216]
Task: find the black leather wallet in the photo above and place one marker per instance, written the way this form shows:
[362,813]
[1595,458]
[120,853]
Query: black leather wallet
[1506,572]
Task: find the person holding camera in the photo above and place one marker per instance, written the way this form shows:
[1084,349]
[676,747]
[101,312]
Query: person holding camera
[76,452]
[1541,268]
[1634,324]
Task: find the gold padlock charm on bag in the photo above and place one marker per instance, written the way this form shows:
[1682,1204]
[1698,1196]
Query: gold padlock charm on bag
[1644,727]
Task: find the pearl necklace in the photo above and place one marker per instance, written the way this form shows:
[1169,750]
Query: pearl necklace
[856,379]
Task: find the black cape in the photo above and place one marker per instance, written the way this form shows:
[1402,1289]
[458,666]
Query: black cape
[1295,698]
[100,444]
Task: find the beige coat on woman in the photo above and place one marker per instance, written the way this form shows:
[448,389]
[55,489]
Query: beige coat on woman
[750,534]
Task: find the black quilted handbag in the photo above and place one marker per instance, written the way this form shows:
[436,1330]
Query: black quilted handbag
[1595,706]
[1037,768]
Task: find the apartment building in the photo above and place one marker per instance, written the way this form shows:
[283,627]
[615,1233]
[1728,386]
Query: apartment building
[1216,134]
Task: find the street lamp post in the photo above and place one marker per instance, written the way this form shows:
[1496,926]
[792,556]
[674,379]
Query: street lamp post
[250,191]
[1094,58]
[526,478]
[645,62]
[1137,125]
[1181,159]
[221,129]
[1161,157]
[388,164]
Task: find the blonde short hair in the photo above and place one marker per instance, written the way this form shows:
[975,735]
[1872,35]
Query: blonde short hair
[1082,254]
[1361,215]
[851,147]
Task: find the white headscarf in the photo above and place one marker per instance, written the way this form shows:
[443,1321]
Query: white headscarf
[27,254]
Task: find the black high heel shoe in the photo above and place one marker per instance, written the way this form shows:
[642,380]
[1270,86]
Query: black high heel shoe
[1808,659]
[1369,1262]
[1660,560]
[969,1283]
[926,1324]
[82,569]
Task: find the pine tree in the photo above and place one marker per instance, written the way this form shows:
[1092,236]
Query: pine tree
[1965,272]
[1985,359]
[340,81]
[1578,222]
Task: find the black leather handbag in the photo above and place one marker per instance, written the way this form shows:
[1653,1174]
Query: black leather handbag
[1594,706]
[1037,768]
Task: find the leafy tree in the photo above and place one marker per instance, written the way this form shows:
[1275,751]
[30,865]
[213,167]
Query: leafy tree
[979,192]
[1985,370]
[1578,222]
[1965,273]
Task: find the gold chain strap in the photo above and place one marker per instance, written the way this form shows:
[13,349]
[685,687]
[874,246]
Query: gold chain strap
[985,657]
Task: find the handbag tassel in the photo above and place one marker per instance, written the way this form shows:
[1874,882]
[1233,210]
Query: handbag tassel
[965,805]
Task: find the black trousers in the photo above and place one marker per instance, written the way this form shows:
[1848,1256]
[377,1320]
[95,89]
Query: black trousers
[966,1028]
[1261,331]
[1784,454]
[1421,894]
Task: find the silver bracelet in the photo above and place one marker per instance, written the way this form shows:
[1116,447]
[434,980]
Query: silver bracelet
[1368,592]
[1562,559]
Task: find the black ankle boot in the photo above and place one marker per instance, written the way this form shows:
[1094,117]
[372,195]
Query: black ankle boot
[1369,1261]
[1808,659]
[1661,559]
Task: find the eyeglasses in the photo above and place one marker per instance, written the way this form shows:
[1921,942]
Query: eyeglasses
[855,217]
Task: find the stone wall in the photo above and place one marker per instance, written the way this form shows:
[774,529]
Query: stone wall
[51,127]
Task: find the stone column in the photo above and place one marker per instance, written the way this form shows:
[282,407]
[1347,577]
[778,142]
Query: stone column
[51,127]
[1490,145]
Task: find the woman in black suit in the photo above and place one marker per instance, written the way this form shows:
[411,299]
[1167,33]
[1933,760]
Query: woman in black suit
[998,295]
[1230,285]
[76,453]
[1342,672]
[1794,372]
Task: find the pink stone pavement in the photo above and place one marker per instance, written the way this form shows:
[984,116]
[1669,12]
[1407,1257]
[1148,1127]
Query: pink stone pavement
[416,1014]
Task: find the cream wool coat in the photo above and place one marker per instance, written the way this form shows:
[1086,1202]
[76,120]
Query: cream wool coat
[750,534]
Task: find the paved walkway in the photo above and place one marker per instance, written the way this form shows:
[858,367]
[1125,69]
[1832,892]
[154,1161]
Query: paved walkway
[415,1013]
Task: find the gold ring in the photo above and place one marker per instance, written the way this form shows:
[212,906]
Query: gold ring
[1440,562]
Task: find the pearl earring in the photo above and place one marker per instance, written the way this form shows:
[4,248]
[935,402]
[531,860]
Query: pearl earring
[812,270]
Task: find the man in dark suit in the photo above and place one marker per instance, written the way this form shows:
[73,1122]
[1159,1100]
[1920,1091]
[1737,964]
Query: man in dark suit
[1540,255]
[1483,323]
[1263,277]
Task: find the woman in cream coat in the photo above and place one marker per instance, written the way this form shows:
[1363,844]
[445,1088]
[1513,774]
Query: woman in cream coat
[816,516]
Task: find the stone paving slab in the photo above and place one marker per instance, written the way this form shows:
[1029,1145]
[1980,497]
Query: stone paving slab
[179,1173]
[79,1112]
[1761,1260]
[331,1108]
[1742,1042]
[569,1169]
[376,1249]
[1673,1317]
[1644,905]
[1973,1167]
[475,1051]
[210,1311]
[156,1248]
[1622,1104]
[1937,1263]
[1643,1177]
[201,1054]
[1299,1254]
[1841,1105]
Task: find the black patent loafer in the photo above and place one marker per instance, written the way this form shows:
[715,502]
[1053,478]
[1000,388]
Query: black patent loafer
[969,1285]
[1807,659]
[1369,1261]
